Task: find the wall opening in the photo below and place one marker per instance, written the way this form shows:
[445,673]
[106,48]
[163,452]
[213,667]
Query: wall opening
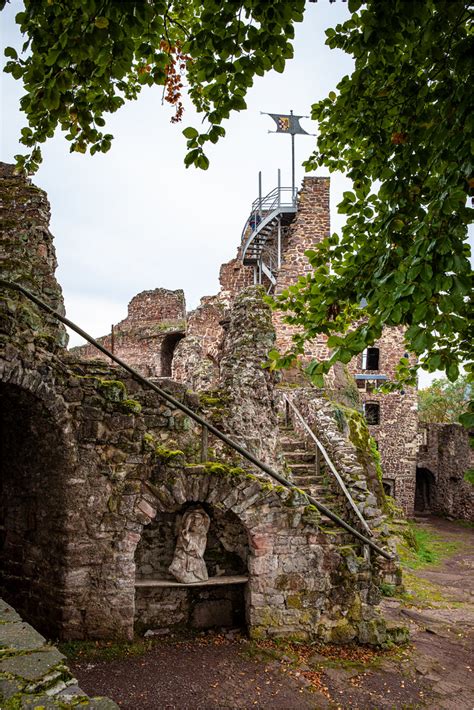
[370,359]
[33,464]
[389,486]
[372,412]
[220,602]
[168,347]
[425,490]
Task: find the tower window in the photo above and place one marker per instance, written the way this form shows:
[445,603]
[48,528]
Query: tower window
[370,359]
[372,412]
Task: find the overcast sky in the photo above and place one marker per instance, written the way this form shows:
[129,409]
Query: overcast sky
[136,218]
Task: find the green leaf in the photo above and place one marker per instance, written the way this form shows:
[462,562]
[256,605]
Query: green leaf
[190,132]
[467,419]
[101,23]
[10,52]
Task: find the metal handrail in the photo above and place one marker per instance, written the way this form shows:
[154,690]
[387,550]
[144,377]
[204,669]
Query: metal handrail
[196,417]
[263,207]
[337,476]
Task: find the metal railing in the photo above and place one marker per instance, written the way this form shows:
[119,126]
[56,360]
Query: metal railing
[321,448]
[206,425]
[280,199]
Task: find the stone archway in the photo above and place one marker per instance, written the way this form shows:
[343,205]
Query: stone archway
[425,490]
[34,460]
[162,602]
[168,347]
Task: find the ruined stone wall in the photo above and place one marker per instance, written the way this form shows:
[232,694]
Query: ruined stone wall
[25,238]
[310,226]
[234,276]
[146,338]
[445,451]
[196,357]
[396,432]
[247,388]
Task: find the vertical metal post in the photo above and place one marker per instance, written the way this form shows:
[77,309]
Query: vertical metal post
[279,187]
[318,461]
[112,339]
[260,194]
[292,165]
[204,444]
[279,243]
[255,280]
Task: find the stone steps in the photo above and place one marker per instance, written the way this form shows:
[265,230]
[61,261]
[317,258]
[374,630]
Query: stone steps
[299,456]
[302,464]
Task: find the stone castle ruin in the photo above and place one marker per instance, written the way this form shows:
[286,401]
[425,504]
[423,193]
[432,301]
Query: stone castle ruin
[109,491]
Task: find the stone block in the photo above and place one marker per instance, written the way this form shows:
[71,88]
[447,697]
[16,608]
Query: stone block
[32,666]
[8,613]
[21,637]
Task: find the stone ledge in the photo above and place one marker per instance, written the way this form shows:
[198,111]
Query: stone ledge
[211,582]
[33,674]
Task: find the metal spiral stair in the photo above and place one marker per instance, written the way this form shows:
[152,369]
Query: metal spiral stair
[261,235]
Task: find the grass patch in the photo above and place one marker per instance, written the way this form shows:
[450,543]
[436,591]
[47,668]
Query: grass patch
[424,594]
[422,547]
[469,476]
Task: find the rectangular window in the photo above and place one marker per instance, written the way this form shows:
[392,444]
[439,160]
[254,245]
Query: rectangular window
[370,359]
[372,412]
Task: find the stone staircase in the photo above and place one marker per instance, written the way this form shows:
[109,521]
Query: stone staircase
[300,457]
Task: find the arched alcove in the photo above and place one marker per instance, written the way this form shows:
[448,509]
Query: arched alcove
[33,461]
[425,490]
[162,602]
[168,346]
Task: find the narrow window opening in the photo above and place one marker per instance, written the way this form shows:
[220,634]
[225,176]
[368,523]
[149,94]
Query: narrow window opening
[370,359]
[372,412]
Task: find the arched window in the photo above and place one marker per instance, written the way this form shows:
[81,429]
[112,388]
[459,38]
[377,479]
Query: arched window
[372,412]
[370,359]
[167,350]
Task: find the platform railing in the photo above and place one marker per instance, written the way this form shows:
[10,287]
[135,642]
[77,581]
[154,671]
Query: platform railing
[278,198]
[196,417]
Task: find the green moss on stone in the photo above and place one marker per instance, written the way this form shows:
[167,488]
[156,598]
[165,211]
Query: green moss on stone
[132,406]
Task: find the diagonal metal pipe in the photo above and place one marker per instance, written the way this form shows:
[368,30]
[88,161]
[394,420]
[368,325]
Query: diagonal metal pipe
[196,417]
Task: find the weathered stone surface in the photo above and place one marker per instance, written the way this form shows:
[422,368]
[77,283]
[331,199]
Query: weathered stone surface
[188,563]
[249,389]
[444,455]
[32,674]
[92,454]
[8,613]
[20,637]
[32,666]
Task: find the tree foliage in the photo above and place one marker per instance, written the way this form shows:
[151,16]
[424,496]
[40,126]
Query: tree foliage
[401,128]
[82,59]
[443,401]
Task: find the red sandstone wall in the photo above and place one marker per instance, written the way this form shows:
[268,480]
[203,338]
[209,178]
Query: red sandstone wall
[142,339]
[234,277]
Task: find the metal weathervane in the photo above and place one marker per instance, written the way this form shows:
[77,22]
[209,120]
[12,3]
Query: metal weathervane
[290,124]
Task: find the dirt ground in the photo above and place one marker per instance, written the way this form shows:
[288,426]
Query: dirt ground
[222,671]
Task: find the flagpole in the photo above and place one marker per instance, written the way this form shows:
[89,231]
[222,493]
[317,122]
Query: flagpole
[292,163]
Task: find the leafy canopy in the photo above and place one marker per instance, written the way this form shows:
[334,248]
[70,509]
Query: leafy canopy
[401,128]
[443,401]
[82,59]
